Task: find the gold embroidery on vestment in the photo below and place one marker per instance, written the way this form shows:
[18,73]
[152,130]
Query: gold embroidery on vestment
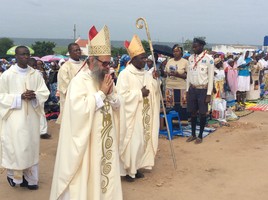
[107,142]
[146,120]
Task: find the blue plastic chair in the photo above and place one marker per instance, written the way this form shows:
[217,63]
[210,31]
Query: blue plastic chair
[170,116]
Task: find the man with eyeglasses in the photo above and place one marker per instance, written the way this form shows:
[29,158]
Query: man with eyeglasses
[66,73]
[87,161]
[139,115]
[22,94]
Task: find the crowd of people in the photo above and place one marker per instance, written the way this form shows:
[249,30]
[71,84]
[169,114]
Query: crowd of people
[109,109]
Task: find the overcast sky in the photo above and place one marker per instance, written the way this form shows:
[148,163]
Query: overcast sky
[220,21]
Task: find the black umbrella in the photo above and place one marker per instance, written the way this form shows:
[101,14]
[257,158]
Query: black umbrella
[163,49]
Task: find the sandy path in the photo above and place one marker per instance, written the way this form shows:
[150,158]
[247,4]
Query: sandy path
[230,164]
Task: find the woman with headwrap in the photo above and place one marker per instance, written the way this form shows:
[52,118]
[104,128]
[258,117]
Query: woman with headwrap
[123,62]
[254,92]
[218,104]
[243,65]
[231,75]
[175,71]
[219,78]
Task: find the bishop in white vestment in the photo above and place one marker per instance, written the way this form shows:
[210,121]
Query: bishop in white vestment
[87,161]
[139,115]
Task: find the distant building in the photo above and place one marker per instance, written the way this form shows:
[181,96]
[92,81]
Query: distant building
[233,48]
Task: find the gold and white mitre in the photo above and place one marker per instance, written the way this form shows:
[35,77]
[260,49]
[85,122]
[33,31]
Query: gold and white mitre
[134,47]
[99,43]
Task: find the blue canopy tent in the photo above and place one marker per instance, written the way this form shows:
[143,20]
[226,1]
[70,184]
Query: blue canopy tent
[265,41]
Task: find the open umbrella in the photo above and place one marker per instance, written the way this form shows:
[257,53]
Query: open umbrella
[11,51]
[36,58]
[220,53]
[50,58]
[163,49]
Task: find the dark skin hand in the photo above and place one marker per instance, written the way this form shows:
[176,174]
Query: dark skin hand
[178,75]
[208,99]
[145,92]
[28,95]
[155,74]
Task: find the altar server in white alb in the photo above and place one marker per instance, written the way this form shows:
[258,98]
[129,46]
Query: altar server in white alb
[87,161]
[22,95]
[66,72]
[139,115]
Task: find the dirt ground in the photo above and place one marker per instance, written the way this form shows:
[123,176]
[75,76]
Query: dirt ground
[230,164]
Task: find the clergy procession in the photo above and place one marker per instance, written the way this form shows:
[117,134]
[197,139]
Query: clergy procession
[111,111]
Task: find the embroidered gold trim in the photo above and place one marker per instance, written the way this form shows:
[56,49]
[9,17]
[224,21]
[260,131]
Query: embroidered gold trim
[146,120]
[107,143]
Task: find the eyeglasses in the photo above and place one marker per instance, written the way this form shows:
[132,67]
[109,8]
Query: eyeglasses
[104,63]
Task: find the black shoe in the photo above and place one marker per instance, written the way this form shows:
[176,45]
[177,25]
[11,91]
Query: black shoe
[45,136]
[139,174]
[11,182]
[129,178]
[24,183]
[33,187]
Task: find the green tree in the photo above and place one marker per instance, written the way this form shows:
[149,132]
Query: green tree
[5,44]
[43,48]
[62,50]
[146,46]
[118,51]
[187,45]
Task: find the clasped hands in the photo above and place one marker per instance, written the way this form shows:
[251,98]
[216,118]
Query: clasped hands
[28,95]
[107,84]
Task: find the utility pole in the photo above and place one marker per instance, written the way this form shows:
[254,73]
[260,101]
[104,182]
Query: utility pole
[74,32]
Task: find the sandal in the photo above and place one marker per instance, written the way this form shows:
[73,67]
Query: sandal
[190,139]
[198,140]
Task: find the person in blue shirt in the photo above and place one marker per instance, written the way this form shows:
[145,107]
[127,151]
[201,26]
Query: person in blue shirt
[123,62]
[243,64]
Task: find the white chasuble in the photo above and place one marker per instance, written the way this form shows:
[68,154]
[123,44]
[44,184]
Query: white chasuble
[87,161]
[139,120]
[20,124]
[66,73]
